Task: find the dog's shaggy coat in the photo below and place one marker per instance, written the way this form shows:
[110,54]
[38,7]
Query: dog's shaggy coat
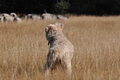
[60,51]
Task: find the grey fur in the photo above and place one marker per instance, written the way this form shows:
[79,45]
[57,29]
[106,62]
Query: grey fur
[60,51]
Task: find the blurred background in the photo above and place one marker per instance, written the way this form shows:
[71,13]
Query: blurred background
[79,7]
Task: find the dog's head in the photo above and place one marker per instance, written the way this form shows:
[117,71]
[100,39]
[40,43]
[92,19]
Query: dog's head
[52,29]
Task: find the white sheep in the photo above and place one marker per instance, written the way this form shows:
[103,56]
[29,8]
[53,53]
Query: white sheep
[1,18]
[48,16]
[13,14]
[34,17]
[7,17]
[61,17]
[16,18]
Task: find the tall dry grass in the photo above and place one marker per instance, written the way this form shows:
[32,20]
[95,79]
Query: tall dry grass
[23,49]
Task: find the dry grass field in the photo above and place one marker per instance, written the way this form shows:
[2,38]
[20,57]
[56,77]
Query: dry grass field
[23,49]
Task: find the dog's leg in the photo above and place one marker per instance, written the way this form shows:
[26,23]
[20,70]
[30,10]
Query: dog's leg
[67,66]
[49,63]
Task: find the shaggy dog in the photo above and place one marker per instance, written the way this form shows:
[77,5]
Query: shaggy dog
[60,51]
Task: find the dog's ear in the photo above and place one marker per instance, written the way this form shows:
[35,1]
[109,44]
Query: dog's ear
[47,32]
[46,29]
[50,32]
[61,25]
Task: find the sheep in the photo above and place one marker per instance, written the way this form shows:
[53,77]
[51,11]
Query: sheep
[11,18]
[22,17]
[1,18]
[13,14]
[17,19]
[34,17]
[7,17]
[48,16]
[61,17]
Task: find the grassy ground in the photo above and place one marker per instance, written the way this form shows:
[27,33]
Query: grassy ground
[23,49]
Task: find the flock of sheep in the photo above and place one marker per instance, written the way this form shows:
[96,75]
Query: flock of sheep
[12,17]
[9,17]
